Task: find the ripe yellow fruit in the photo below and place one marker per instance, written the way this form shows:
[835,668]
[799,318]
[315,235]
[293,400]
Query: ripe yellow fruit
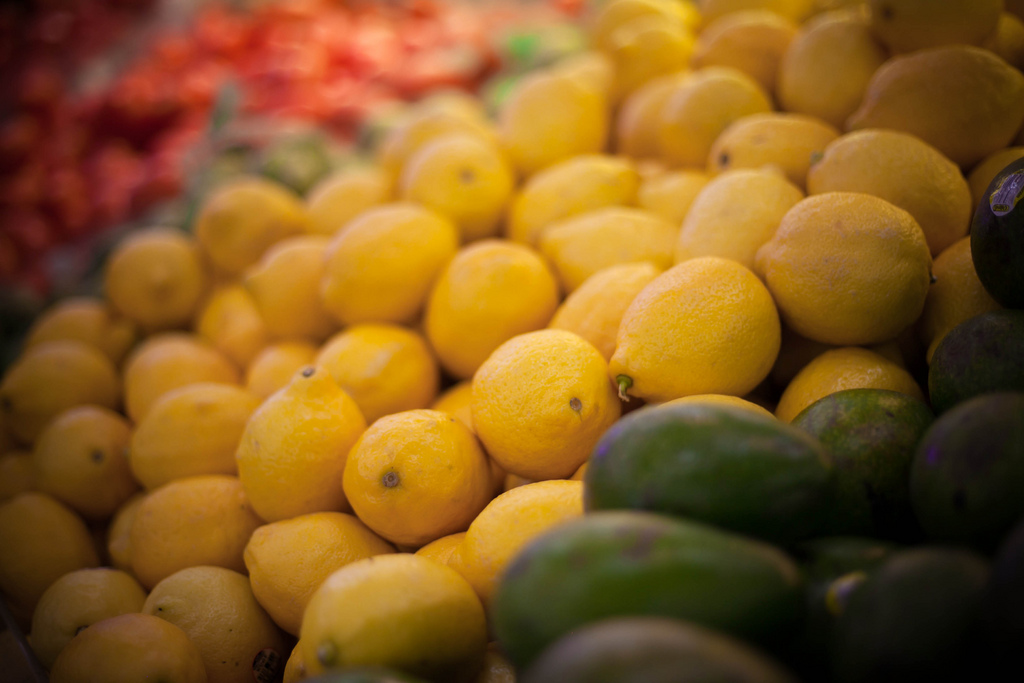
[832,244]
[231,322]
[242,218]
[490,292]
[982,175]
[595,309]
[701,107]
[1007,40]
[288,560]
[752,41]
[849,367]
[52,377]
[671,193]
[939,93]
[722,399]
[645,48]
[88,320]
[204,520]
[736,213]
[81,460]
[541,401]
[416,476]
[381,268]
[508,523]
[636,129]
[463,178]
[129,648]
[789,142]
[705,326]
[402,611]
[343,195]
[190,431]
[168,361]
[826,69]
[216,609]
[457,402]
[569,188]
[156,278]
[442,548]
[424,124]
[496,668]
[275,366]
[909,25]
[285,286]
[903,170]
[119,533]
[78,600]
[794,10]
[295,667]
[16,474]
[42,540]
[293,449]
[384,368]
[612,15]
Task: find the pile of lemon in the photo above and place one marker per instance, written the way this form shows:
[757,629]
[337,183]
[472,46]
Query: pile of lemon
[312,432]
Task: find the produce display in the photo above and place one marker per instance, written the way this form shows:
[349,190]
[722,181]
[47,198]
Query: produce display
[689,350]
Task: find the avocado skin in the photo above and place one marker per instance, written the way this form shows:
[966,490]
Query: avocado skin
[1004,606]
[997,244]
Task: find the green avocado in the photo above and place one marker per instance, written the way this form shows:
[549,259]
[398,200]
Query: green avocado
[716,464]
[1005,599]
[997,236]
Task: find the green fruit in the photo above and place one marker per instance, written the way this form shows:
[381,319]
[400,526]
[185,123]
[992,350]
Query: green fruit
[652,650]
[717,464]
[871,435]
[914,619]
[997,237]
[630,563]
[967,477]
[1005,604]
[980,355]
[365,674]
[826,559]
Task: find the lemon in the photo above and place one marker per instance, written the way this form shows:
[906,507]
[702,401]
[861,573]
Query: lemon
[231,321]
[987,169]
[78,600]
[424,124]
[343,195]
[288,560]
[216,609]
[119,533]
[909,25]
[496,669]
[670,194]
[128,648]
[636,129]
[736,213]
[295,667]
[456,401]
[203,520]
[832,244]
[904,171]
[939,93]
[88,320]
[752,41]
[705,326]
[381,268]
[81,460]
[416,476]
[441,549]
[646,47]
[402,611]
[16,474]
[541,401]
[275,365]
[591,68]
[1007,40]
[490,292]
[722,399]
[189,431]
[794,10]
[293,449]
[614,14]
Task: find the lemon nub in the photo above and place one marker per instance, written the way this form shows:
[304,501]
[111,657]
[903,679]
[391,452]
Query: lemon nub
[327,653]
[390,479]
[624,382]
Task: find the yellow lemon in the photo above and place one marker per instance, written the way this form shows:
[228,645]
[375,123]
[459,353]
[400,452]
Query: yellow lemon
[797,351]
[508,523]
[156,279]
[230,320]
[795,10]
[275,365]
[343,195]
[456,401]
[582,245]
[416,476]
[705,326]
[834,244]
[119,533]
[81,460]
[789,142]
[242,218]
[939,93]
[541,401]
[595,309]
[670,194]
[909,25]
[216,609]
[16,473]
[646,47]
[285,286]
[828,65]
[295,667]
[616,13]
[381,268]
[956,295]
[293,449]
[203,520]
[189,431]
[722,399]
[1007,40]
[736,213]
[402,611]
[752,41]
[78,600]
[384,368]
[904,171]
[52,377]
[288,560]
[496,669]
[636,122]
[490,292]
[88,320]
[849,367]
[592,68]
[42,540]
[128,648]
[982,175]
[168,361]
[701,107]
[423,125]
[441,549]
[462,178]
